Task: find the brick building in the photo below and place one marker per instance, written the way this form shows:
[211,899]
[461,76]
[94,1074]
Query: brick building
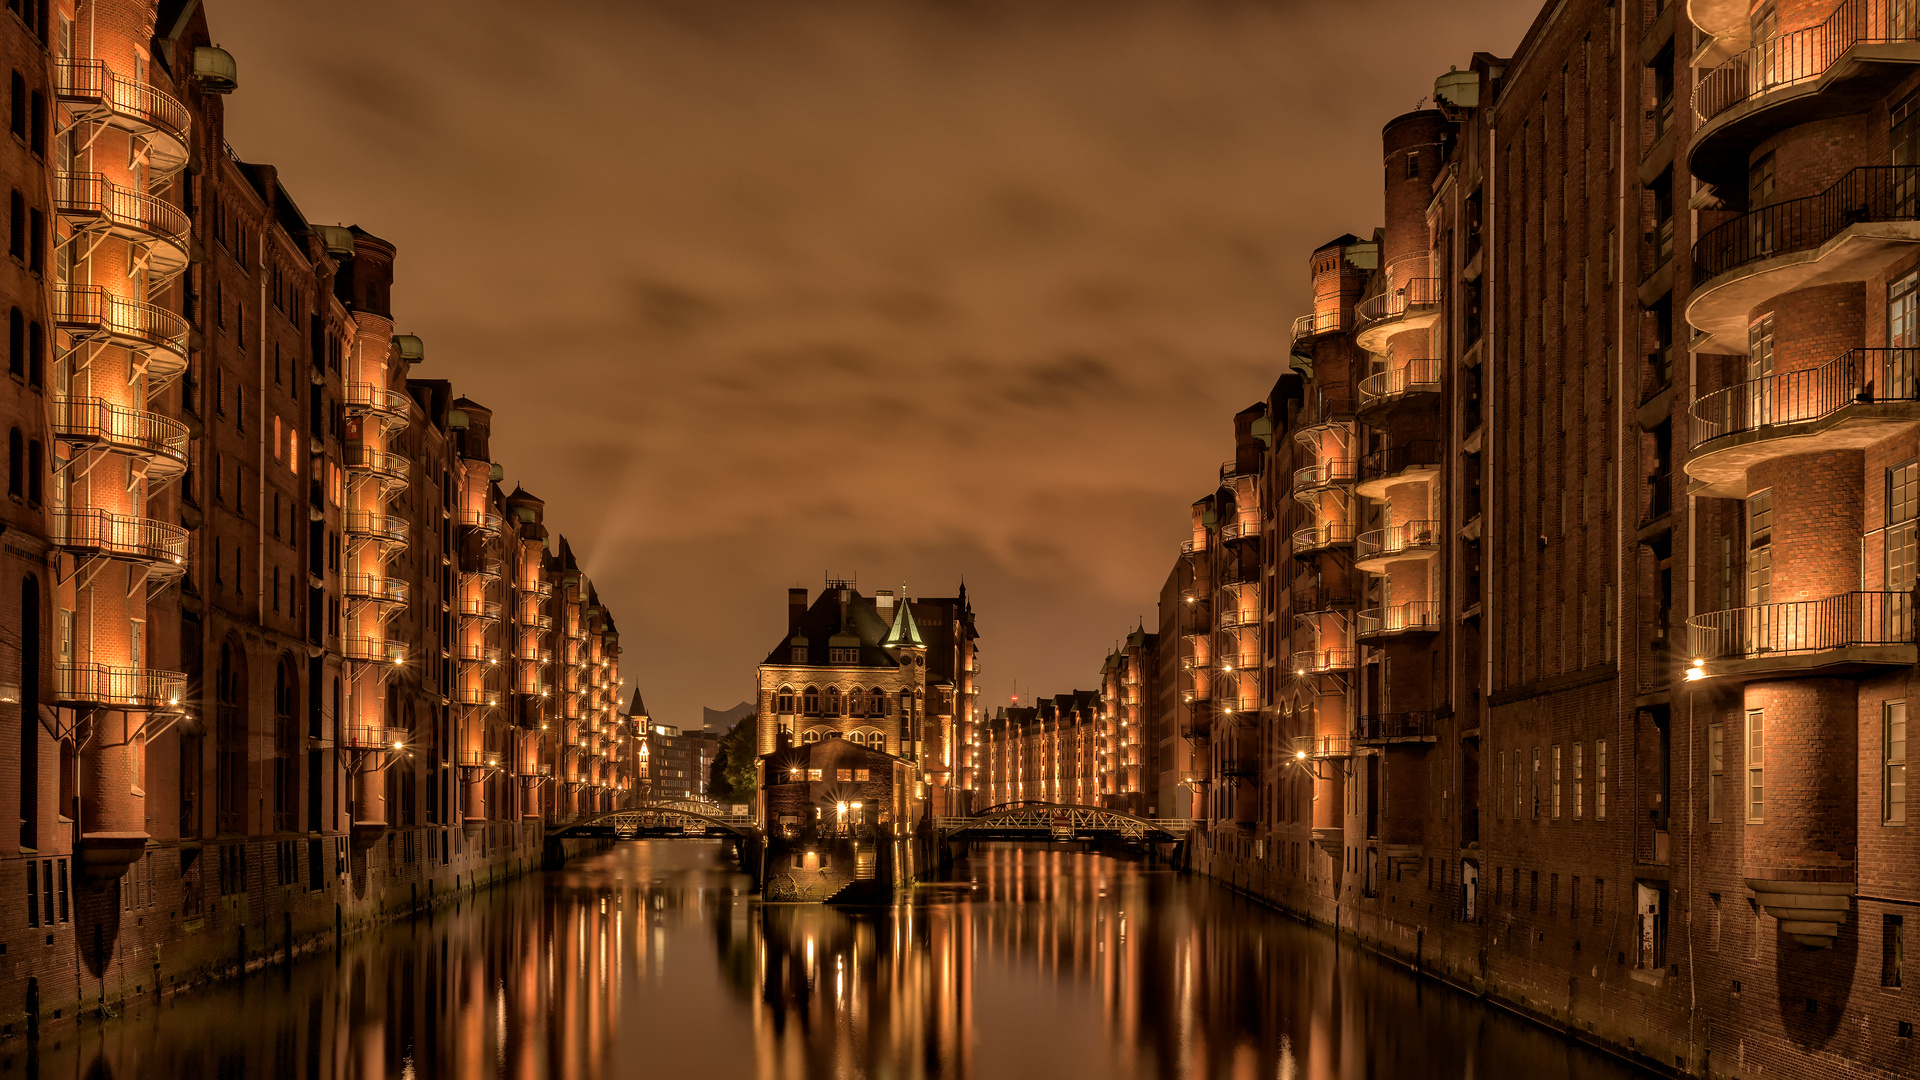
[885,671]
[1050,751]
[1129,753]
[280,655]
[1551,625]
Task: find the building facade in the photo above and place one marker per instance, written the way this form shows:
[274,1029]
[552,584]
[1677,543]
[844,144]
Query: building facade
[279,654]
[1052,751]
[1551,626]
[1129,753]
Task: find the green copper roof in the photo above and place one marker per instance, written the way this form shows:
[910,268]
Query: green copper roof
[904,632]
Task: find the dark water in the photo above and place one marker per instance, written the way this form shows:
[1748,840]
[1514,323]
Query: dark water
[650,961]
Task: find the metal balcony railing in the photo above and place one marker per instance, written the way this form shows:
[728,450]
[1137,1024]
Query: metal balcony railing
[1848,620]
[533,769]
[1319,322]
[90,311]
[377,400]
[91,197]
[1414,536]
[483,568]
[1398,725]
[1240,529]
[1233,618]
[1313,747]
[1318,661]
[1228,662]
[94,420]
[476,652]
[1325,474]
[477,759]
[118,687]
[467,694]
[388,528]
[1859,376]
[477,607]
[1397,300]
[1315,537]
[1322,598]
[1868,193]
[483,520]
[1393,460]
[1800,55]
[89,86]
[375,737]
[121,536]
[1414,615]
[384,590]
[384,464]
[371,650]
[1233,467]
[1194,546]
[1404,380]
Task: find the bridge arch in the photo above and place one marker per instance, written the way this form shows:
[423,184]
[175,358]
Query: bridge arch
[672,817]
[1038,819]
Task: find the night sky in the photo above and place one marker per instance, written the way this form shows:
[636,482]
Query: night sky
[763,290]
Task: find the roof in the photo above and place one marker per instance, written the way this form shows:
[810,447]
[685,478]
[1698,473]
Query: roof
[824,620]
[905,631]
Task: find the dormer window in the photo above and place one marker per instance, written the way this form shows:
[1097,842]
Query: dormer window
[799,654]
[843,656]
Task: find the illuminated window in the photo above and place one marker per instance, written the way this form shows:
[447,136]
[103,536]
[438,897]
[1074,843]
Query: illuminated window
[810,702]
[814,774]
[1756,764]
[1893,776]
[783,701]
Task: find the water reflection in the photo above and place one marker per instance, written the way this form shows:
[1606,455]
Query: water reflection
[650,960]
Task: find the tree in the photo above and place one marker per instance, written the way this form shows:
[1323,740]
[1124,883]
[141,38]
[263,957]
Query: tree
[731,779]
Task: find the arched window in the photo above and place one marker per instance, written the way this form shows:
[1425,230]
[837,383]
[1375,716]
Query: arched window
[30,712]
[857,737]
[833,701]
[783,701]
[230,738]
[877,705]
[16,344]
[286,741]
[810,737]
[906,704]
[856,702]
[810,702]
[16,463]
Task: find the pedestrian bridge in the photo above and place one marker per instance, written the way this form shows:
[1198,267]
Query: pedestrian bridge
[676,820]
[1060,821]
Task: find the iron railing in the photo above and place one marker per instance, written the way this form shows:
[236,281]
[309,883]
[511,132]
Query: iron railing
[1407,536]
[121,535]
[123,687]
[477,652]
[1319,322]
[1859,376]
[1231,468]
[1233,618]
[91,311]
[1803,626]
[1868,193]
[92,81]
[1392,460]
[1194,546]
[391,528]
[1412,616]
[385,590]
[89,419]
[375,737]
[372,650]
[92,195]
[1324,474]
[1801,55]
[1399,299]
[1315,537]
[1413,377]
[1240,529]
[384,464]
[1307,601]
[484,520]
[479,607]
[1329,658]
[1322,746]
[1396,725]
[377,399]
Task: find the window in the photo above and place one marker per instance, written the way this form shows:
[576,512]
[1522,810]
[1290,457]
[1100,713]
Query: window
[1599,784]
[36,466]
[1555,781]
[17,226]
[17,106]
[1716,763]
[862,775]
[1903,504]
[783,701]
[1892,943]
[877,703]
[1893,769]
[1756,764]
[810,701]
[833,701]
[16,463]
[814,774]
[36,241]
[843,656]
[1534,798]
[1760,371]
[1579,782]
[844,776]
[1760,545]
[16,344]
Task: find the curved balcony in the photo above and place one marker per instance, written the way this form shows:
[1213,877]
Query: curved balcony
[374,525]
[92,91]
[475,695]
[372,650]
[1321,600]
[1323,661]
[88,201]
[1414,380]
[107,686]
[374,737]
[1310,326]
[535,770]
[485,521]
[1326,474]
[1849,232]
[1193,547]
[1375,551]
[533,618]
[1315,539]
[388,467]
[376,589]
[1411,461]
[1400,727]
[1320,748]
[483,569]
[94,422]
[471,607]
[390,407]
[1227,664]
[1855,631]
[1233,618]
[1413,617]
[476,652]
[1229,706]
[92,314]
[477,759]
[1410,305]
[1835,68]
[1232,469]
[161,547]
[1238,531]
[1858,399]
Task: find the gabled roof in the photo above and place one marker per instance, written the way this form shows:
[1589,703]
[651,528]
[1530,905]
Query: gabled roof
[904,631]
[822,622]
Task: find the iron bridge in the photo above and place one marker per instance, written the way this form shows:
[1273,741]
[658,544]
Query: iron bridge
[1060,821]
[683,819]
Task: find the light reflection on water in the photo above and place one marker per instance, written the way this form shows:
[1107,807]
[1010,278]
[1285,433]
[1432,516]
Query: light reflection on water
[651,960]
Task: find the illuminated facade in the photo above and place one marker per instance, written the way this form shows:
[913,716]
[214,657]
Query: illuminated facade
[279,655]
[1128,750]
[1047,752]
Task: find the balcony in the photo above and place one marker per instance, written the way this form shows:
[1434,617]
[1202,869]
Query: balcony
[1322,747]
[1229,664]
[88,202]
[1855,631]
[1409,462]
[485,521]
[1413,304]
[477,759]
[1326,474]
[92,314]
[1413,380]
[1308,327]
[1860,398]
[93,422]
[1413,617]
[1233,618]
[484,569]
[476,652]
[1376,550]
[475,695]
[376,589]
[1239,530]
[1400,727]
[161,547]
[1322,600]
[371,650]
[390,407]
[388,467]
[1233,468]
[371,737]
[474,607]
[1317,538]
[533,770]
[1849,232]
[1237,706]
[373,525]
[93,92]
[1323,661]
[1193,547]
[1832,69]
[106,686]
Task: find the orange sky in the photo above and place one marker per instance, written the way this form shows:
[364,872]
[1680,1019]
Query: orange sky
[760,290]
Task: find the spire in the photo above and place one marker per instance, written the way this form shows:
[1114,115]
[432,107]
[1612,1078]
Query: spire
[904,631]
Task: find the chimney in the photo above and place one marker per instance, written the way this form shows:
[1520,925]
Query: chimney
[796,609]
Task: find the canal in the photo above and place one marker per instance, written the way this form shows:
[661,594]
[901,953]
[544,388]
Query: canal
[651,960]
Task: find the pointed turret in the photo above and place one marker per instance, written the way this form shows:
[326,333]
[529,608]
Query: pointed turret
[904,631]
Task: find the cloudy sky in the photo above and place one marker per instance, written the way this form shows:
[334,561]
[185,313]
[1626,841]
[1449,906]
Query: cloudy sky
[763,290]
